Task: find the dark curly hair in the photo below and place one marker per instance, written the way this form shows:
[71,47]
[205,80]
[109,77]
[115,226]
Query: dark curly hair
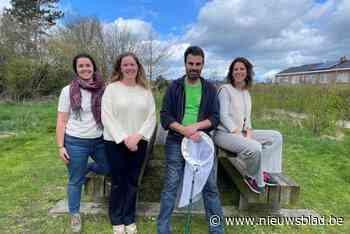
[83,55]
[250,73]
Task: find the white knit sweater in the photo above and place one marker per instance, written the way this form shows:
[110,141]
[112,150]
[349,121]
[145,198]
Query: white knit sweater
[127,110]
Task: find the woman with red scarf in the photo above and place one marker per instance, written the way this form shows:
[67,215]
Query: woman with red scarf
[79,130]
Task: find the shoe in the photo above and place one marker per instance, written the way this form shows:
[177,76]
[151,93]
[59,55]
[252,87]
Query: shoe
[119,229]
[131,229]
[75,222]
[268,179]
[253,185]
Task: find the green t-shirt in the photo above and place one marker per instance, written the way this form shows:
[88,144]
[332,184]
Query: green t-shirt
[193,94]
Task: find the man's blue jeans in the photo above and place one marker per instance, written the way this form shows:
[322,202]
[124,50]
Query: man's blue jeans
[79,150]
[174,170]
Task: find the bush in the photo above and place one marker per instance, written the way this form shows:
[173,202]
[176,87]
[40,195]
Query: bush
[19,73]
[26,78]
[323,110]
[323,104]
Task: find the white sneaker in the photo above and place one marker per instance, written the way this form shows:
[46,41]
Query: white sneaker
[131,229]
[75,222]
[119,229]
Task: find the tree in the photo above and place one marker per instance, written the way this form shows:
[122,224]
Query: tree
[43,13]
[118,40]
[77,35]
[153,55]
[28,21]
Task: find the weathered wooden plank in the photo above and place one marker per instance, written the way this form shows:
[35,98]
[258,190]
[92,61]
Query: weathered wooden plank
[95,186]
[273,196]
[285,193]
[292,189]
[234,170]
[149,152]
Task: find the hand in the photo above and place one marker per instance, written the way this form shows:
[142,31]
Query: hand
[196,137]
[189,130]
[249,133]
[128,145]
[63,155]
[237,131]
[132,141]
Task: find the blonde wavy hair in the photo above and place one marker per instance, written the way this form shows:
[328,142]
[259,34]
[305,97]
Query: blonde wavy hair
[118,75]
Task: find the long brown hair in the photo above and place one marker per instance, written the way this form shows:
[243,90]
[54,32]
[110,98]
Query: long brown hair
[117,73]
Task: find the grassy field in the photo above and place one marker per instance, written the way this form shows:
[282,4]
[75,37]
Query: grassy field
[33,179]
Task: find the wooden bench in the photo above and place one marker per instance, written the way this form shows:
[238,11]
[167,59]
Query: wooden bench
[285,193]
[98,187]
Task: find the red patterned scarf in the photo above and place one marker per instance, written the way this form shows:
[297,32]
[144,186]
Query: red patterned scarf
[96,87]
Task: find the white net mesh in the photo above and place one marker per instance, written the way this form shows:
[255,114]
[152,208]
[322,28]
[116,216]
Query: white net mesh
[199,157]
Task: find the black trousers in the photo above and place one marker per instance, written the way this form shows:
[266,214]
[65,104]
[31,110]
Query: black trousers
[125,170]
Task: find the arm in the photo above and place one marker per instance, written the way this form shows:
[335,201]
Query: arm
[166,118]
[212,121]
[249,120]
[214,118]
[62,118]
[61,123]
[147,127]
[225,107]
[204,124]
[185,131]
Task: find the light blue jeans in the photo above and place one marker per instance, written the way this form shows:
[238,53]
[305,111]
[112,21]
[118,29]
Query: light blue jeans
[174,170]
[79,150]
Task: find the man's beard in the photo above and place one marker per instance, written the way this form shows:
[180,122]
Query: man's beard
[193,74]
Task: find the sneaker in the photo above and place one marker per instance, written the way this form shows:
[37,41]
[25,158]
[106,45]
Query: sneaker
[268,179]
[75,222]
[119,229]
[131,229]
[253,185]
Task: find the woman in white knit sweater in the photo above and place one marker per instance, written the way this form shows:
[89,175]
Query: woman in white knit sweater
[260,150]
[128,116]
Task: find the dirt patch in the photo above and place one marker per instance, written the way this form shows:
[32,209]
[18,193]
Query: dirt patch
[4,135]
[339,136]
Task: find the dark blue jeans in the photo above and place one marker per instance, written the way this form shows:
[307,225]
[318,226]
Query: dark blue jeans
[174,170]
[125,170]
[79,150]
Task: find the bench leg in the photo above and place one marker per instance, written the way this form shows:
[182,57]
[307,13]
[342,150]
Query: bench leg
[257,207]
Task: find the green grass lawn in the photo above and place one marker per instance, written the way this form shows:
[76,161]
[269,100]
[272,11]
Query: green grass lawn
[33,179]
